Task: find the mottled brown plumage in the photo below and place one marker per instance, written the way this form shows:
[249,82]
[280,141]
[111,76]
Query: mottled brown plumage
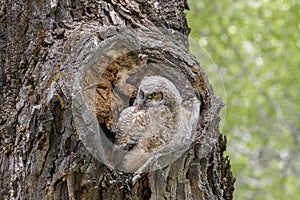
[151,123]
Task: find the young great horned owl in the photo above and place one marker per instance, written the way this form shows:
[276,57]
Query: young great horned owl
[151,123]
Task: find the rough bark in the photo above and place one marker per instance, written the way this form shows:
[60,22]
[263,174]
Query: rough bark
[43,44]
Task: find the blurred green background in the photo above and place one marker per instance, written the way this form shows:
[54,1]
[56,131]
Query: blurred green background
[251,53]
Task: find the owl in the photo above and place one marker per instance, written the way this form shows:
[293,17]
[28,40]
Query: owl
[151,123]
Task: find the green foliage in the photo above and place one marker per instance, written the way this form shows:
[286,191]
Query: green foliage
[256,48]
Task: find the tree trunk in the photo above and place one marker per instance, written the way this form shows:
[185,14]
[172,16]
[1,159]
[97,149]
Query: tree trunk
[49,50]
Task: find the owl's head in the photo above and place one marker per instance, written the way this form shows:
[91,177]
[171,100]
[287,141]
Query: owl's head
[157,90]
[149,98]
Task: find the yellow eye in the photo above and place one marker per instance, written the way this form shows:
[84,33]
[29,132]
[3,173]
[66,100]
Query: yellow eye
[157,95]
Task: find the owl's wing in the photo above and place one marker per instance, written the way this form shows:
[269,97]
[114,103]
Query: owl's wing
[162,128]
[131,125]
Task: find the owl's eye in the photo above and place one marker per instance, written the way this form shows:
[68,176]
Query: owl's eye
[157,95]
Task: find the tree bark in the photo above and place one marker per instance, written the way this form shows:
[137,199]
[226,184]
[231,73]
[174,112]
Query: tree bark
[44,45]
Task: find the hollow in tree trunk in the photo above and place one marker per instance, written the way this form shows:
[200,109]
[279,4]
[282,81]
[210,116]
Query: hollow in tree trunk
[69,68]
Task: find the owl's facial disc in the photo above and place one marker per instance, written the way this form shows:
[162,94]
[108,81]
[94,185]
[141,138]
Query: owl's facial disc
[154,96]
[148,98]
[153,99]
